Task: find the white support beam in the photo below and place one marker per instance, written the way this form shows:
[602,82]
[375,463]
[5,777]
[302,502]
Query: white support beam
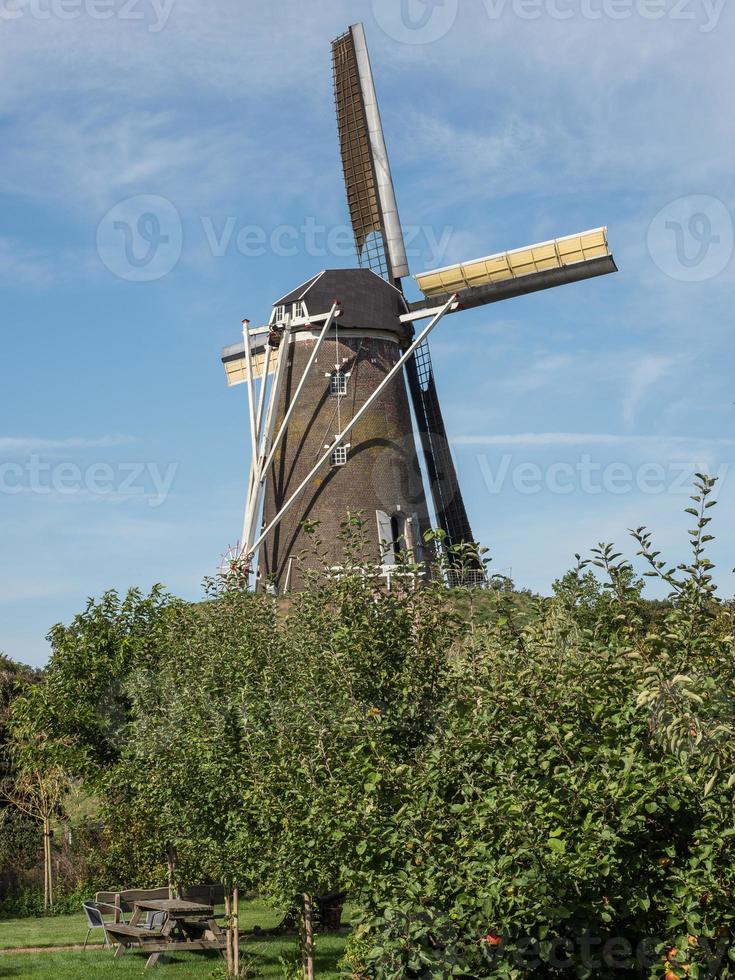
[251,406]
[260,411]
[257,331]
[397,367]
[333,313]
[258,476]
[261,401]
[295,323]
[255,497]
[425,314]
[263,387]
[251,391]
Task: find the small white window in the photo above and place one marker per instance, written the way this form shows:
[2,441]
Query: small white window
[338,383]
[280,314]
[298,311]
[339,456]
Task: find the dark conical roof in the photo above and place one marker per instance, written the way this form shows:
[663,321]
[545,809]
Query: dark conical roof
[368,302]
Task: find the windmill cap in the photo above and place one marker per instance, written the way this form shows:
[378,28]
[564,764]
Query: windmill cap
[366,302]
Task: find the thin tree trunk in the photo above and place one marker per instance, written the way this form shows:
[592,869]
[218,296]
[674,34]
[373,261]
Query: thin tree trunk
[45,870]
[236,932]
[47,897]
[171,861]
[50,869]
[228,935]
[307,939]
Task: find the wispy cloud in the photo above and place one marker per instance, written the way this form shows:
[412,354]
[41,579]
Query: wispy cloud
[21,265]
[117,155]
[35,444]
[645,375]
[493,158]
[32,587]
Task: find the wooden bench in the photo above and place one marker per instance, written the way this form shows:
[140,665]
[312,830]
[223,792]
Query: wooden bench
[188,927]
[124,901]
[133,932]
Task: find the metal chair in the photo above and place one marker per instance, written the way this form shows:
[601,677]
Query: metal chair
[154,920]
[95,919]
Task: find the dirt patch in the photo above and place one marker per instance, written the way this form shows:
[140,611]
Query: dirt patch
[50,949]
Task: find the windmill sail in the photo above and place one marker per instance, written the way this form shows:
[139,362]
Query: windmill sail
[370,193]
[235,361]
[380,247]
[520,271]
[450,508]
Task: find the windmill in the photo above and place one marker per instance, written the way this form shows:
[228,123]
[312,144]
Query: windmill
[329,377]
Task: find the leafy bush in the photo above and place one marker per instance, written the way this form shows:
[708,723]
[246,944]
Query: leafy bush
[65,727]
[27,903]
[82,705]
[571,813]
[515,789]
[20,847]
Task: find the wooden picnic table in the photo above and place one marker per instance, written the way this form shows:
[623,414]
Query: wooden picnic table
[187,928]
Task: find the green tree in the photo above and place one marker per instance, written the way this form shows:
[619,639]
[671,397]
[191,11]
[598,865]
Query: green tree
[18,839]
[68,723]
[186,766]
[39,778]
[505,788]
[352,690]
[255,738]
[571,811]
[84,693]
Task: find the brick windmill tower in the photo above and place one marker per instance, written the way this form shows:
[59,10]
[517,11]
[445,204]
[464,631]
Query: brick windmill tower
[332,377]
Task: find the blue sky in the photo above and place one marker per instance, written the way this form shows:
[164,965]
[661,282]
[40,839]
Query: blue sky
[575,414]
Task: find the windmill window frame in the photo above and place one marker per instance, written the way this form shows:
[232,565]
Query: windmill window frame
[297,311]
[338,383]
[280,314]
[339,457]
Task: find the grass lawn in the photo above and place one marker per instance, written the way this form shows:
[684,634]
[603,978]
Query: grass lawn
[65,930]
[263,955]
